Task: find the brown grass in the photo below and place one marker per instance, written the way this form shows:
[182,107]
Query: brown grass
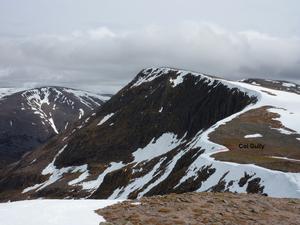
[224,208]
[276,144]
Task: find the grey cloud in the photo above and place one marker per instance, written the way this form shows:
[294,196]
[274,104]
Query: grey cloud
[104,60]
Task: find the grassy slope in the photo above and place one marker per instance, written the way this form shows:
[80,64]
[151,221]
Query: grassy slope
[275,143]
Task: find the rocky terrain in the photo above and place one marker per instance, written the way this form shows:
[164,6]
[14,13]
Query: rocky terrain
[29,118]
[171,131]
[203,208]
[275,84]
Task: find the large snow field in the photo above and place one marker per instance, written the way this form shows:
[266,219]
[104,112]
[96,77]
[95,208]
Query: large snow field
[52,212]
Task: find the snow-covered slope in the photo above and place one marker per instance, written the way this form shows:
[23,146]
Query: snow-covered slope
[53,212]
[164,132]
[39,100]
[29,118]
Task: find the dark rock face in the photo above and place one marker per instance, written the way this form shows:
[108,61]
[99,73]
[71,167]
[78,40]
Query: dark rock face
[30,118]
[185,109]
[254,186]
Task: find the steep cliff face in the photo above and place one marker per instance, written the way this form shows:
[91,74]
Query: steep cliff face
[143,111]
[155,136]
[29,118]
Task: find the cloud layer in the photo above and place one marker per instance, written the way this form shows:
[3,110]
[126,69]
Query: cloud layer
[104,60]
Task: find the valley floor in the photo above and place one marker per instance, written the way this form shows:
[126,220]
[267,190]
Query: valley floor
[204,208]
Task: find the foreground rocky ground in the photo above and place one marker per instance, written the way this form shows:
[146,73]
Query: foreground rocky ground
[204,208]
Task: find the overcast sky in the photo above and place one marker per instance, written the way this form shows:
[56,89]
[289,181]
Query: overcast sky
[100,45]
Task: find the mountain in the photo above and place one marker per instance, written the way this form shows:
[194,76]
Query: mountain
[29,118]
[171,131]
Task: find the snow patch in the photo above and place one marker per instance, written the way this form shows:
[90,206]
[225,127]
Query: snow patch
[53,125]
[150,75]
[254,83]
[94,184]
[82,177]
[162,145]
[289,113]
[179,79]
[253,136]
[285,158]
[105,118]
[135,203]
[288,84]
[136,184]
[81,113]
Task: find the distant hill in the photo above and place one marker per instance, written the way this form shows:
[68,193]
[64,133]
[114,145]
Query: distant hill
[29,118]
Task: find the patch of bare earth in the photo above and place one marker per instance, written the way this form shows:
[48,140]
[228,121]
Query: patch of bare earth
[232,135]
[204,208]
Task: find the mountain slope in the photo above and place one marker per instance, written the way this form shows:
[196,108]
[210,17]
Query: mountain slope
[161,134]
[29,118]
